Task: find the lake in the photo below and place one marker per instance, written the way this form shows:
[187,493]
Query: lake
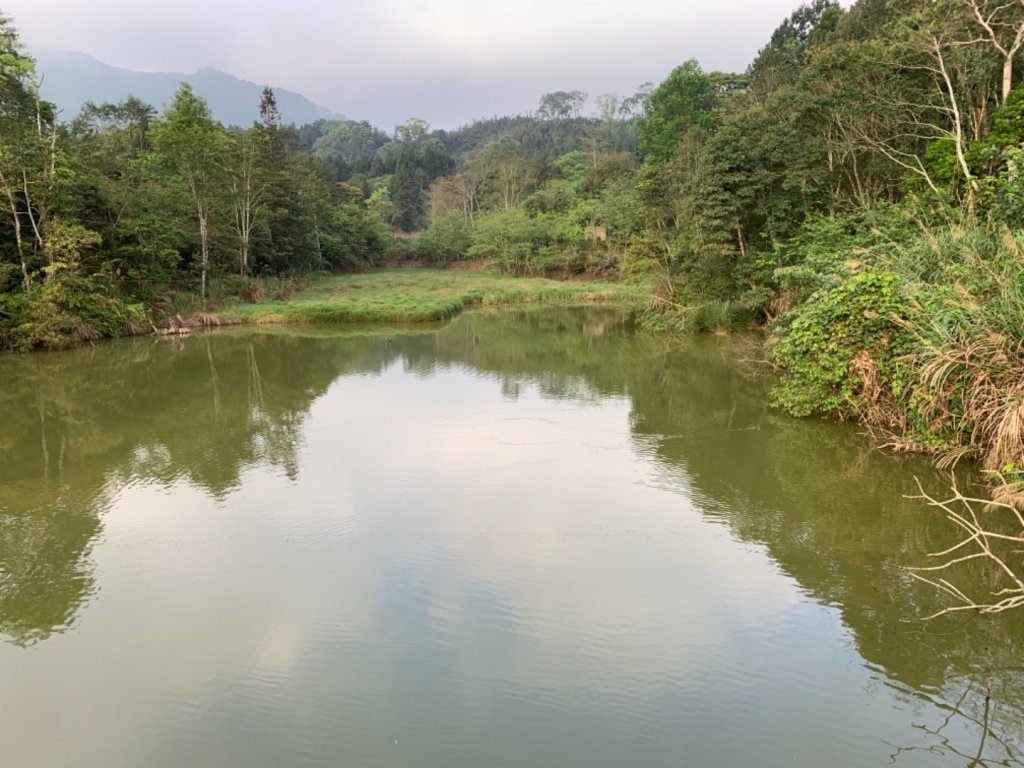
[528,538]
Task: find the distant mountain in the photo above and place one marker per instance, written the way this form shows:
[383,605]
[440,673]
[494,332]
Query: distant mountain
[70,79]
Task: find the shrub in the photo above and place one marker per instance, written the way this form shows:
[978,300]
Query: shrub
[447,239]
[840,352]
[68,309]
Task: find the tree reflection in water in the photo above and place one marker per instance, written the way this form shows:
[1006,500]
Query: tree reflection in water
[962,720]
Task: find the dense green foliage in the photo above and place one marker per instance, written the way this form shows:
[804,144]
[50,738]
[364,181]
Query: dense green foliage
[124,216]
[859,320]
[857,189]
[414,178]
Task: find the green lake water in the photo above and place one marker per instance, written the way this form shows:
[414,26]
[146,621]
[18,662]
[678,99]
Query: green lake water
[529,538]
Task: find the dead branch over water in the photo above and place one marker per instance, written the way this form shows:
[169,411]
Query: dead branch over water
[977,519]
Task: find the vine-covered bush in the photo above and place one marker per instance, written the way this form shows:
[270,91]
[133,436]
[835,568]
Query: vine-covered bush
[840,353]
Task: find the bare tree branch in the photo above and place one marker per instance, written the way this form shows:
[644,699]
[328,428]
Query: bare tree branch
[988,545]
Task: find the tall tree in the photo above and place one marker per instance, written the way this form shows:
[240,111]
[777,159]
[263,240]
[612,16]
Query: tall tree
[193,144]
[561,105]
[684,101]
[412,130]
[1001,28]
[506,173]
[779,63]
[28,135]
[249,183]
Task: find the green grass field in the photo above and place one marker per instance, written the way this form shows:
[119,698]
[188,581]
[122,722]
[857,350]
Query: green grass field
[413,295]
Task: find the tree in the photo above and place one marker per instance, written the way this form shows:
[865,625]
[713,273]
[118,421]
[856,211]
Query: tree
[28,148]
[1002,28]
[779,63]
[408,186]
[451,194]
[505,172]
[684,101]
[286,190]
[954,97]
[250,178]
[633,106]
[508,236]
[270,115]
[125,123]
[249,184]
[561,105]
[194,145]
[348,146]
[412,130]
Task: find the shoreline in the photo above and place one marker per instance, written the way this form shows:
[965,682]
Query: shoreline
[389,296]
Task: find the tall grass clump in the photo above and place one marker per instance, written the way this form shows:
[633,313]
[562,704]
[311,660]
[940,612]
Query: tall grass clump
[968,329]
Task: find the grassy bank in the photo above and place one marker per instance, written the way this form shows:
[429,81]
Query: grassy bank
[419,295]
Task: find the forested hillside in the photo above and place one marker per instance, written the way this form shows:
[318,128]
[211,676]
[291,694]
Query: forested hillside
[856,189]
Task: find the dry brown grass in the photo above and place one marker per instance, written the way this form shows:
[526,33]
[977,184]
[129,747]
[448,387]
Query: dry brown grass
[136,328]
[977,386]
[205,320]
[254,291]
[876,406]
[84,333]
[271,319]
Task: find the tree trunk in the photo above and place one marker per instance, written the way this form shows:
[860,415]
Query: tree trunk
[37,231]
[243,227]
[204,241]
[319,242]
[17,236]
[1008,75]
[958,128]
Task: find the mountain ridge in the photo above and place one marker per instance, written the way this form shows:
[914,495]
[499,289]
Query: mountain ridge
[71,78]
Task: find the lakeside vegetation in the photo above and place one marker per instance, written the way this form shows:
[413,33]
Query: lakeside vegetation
[856,191]
[418,296]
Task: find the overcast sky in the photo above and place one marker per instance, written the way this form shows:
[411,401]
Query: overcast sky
[447,61]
